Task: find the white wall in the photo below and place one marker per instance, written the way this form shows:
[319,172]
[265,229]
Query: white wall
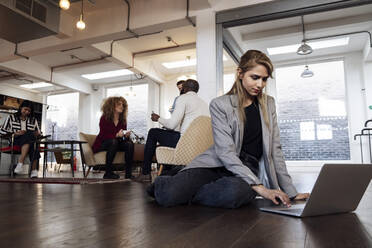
[154,96]
[368,88]
[206,55]
[169,91]
[90,110]
[355,100]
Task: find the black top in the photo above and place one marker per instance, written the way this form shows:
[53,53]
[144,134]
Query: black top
[252,148]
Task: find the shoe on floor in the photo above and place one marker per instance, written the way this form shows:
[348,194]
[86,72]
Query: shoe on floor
[110,175]
[34,174]
[18,169]
[143,178]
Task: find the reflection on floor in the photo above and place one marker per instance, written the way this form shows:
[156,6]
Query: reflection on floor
[122,215]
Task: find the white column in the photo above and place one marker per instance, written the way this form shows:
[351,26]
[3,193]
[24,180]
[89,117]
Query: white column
[355,102]
[89,111]
[206,54]
[43,115]
[368,89]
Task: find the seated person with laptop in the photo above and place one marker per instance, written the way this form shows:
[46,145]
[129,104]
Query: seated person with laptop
[246,159]
[188,107]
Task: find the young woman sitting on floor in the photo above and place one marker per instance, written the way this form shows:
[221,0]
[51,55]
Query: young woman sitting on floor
[246,159]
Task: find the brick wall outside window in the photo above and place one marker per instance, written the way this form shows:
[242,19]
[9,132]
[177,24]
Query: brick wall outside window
[316,107]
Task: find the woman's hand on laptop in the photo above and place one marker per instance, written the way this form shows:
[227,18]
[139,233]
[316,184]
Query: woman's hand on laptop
[302,196]
[274,195]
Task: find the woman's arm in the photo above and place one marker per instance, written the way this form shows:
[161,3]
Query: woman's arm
[7,126]
[224,145]
[177,115]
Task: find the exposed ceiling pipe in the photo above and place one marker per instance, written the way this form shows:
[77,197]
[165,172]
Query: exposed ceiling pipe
[161,49]
[80,63]
[18,54]
[128,20]
[187,14]
[97,59]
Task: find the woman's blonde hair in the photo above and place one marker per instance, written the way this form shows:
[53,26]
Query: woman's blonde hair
[108,108]
[248,61]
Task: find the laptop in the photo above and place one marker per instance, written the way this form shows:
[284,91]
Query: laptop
[338,189]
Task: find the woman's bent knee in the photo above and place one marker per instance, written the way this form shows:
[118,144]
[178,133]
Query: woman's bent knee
[165,194]
[227,192]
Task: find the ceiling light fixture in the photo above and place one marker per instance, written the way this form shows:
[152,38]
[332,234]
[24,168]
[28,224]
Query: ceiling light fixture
[36,85]
[344,41]
[307,72]
[107,74]
[81,24]
[304,49]
[131,91]
[183,63]
[64,4]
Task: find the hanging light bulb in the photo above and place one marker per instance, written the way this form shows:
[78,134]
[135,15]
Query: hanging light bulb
[304,49]
[131,91]
[80,24]
[307,72]
[64,4]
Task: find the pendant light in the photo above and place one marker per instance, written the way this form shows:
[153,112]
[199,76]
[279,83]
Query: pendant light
[64,4]
[131,91]
[307,72]
[81,24]
[304,49]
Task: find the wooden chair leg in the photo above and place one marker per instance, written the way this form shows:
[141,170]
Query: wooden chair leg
[86,175]
[160,170]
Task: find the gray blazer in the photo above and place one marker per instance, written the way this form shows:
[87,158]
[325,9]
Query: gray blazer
[228,138]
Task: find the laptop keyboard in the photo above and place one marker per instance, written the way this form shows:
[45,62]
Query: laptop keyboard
[293,207]
[298,211]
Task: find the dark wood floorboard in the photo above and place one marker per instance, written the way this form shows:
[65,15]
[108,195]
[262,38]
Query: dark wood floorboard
[121,215]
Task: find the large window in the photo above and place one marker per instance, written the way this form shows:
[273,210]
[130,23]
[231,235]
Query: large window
[311,112]
[137,98]
[62,116]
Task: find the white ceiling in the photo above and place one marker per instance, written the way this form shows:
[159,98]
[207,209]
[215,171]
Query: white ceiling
[289,31]
[256,36]
[181,36]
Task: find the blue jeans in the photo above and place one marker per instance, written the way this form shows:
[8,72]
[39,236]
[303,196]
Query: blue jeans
[164,137]
[214,187]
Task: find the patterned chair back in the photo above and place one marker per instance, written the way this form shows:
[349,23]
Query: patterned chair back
[196,140]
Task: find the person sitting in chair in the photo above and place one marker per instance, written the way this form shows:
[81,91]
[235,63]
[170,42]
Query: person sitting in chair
[25,128]
[112,138]
[188,107]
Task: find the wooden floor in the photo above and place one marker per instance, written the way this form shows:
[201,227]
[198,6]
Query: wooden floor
[121,215]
